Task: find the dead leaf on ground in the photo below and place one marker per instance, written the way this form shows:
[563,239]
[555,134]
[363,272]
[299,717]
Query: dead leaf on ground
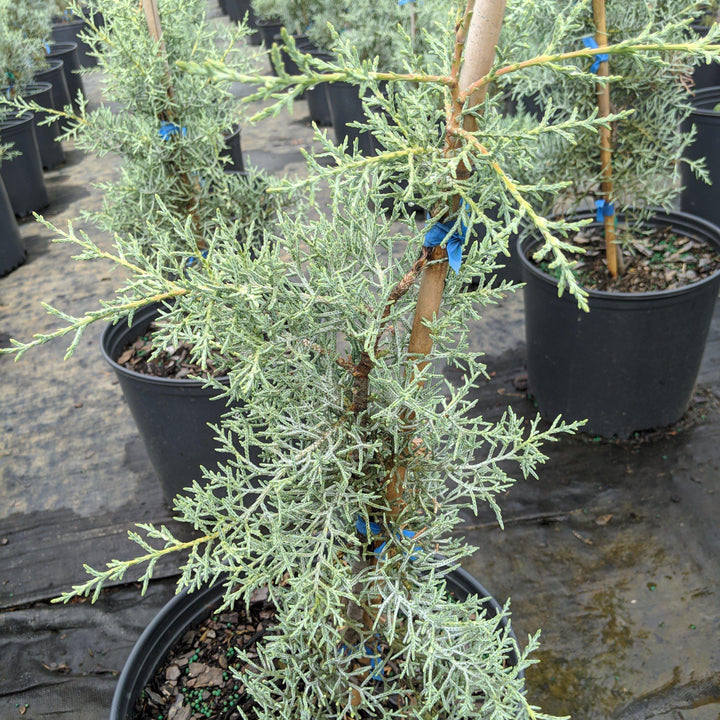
[587,541]
[603,519]
[61,668]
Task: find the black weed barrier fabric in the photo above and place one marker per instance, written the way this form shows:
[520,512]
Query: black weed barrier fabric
[63,661]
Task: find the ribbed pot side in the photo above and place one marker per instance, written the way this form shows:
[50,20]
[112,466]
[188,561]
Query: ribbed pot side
[629,364]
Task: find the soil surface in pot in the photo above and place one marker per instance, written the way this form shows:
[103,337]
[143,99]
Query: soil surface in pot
[196,678]
[659,260]
[172,362]
[201,676]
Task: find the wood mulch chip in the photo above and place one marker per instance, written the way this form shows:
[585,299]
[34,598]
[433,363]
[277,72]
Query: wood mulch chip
[663,260]
[173,362]
[201,677]
[195,680]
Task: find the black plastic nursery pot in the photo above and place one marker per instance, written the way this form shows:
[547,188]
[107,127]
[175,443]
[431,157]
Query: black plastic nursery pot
[346,107]
[232,152]
[707,74]
[631,363]
[55,75]
[70,32]
[51,151]
[508,266]
[67,52]
[303,44]
[171,415]
[697,196]
[237,10]
[12,247]
[185,609]
[23,174]
[268,28]
[317,97]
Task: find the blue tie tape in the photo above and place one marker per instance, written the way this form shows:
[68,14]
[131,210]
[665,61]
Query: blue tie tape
[375,529]
[168,129]
[405,2]
[193,260]
[455,241]
[590,42]
[603,209]
[375,663]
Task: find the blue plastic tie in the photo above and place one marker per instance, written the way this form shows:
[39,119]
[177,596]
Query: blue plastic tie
[590,42]
[193,260]
[362,527]
[375,663]
[603,209]
[47,46]
[405,2]
[168,129]
[375,529]
[455,240]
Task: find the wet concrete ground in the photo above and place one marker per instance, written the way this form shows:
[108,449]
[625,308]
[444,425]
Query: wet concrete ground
[613,551]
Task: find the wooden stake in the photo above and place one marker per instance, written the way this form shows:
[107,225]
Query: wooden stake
[483,33]
[603,99]
[479,41]
[152,17]
[479,54]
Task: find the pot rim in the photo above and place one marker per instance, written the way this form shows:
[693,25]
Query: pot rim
[181,610]
[706,95]
[32,88]
[705,228]
[18,121]
[54,63]
[62,24]
[58,48]
[232,131]
[121,326]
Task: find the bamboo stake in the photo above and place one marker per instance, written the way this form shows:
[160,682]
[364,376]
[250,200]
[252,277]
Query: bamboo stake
[475,54]
[603,98]
[478,41]
[478,55]
[152,17]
